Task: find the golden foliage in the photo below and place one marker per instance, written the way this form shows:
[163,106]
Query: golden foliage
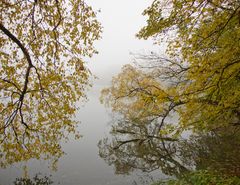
[42,74]
[198,81]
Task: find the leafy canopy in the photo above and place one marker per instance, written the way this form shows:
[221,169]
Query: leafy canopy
[42,74]
[198,81]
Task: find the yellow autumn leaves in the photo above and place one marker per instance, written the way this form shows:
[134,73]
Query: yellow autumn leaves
[200,75]
[42,46]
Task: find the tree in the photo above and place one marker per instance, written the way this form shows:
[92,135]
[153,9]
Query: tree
[194,86]
[207,39]
[197,81]
[42,74]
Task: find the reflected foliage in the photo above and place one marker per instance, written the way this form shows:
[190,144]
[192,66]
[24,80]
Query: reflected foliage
[194,86]
[202,177]
[37,180]
[216,151]
[133,147]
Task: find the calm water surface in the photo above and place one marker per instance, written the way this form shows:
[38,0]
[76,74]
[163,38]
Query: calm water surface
[81,165]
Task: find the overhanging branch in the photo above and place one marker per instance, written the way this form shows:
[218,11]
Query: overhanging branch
[27,74]
[15,40]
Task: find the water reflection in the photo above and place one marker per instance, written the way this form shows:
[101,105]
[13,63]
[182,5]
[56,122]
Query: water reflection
[133,147]
[216,151]
[38,179]
[81,164]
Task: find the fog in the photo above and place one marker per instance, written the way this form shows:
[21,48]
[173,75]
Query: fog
[121,20]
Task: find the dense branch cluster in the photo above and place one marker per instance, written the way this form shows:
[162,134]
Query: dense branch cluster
[195,86]
[42,74]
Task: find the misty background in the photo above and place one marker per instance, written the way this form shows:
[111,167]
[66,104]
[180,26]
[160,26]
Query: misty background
[121,20]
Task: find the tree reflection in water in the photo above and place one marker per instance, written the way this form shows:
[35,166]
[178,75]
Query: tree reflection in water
[38,179]
[216,151]
[133,146]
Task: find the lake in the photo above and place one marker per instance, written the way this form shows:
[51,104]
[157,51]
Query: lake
[82,165]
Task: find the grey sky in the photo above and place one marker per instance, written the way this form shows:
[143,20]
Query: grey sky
[121,20]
